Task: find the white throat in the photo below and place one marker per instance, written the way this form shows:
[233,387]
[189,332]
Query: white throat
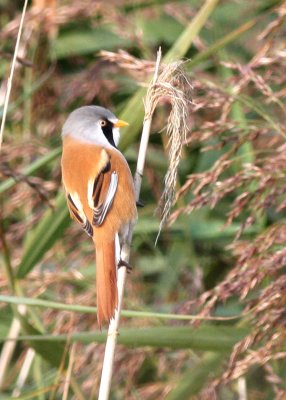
[116,136]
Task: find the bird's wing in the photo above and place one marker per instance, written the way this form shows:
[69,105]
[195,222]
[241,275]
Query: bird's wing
[101,192]
[99,212]
[77,213]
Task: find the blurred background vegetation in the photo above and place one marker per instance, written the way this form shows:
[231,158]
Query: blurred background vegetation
[222,257]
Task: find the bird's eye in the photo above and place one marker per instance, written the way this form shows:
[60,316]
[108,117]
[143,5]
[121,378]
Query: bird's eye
[102,122]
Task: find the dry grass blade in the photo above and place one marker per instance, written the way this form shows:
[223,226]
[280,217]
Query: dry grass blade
[69,372]
[10,79]
[24,372]
[128,62]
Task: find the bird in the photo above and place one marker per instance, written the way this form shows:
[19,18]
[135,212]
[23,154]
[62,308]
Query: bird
[100,193]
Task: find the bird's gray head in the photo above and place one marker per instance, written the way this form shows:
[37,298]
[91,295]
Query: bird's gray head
[93,124]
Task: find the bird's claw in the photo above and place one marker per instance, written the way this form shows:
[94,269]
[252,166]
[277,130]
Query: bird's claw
[123,263]
[139,203]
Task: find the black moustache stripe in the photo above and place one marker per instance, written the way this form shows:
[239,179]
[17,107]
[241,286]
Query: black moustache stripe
[108,132]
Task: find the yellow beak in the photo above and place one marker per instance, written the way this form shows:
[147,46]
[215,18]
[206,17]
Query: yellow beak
[120,124]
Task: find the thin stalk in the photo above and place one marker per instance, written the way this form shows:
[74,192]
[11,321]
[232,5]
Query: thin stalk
[112,336]
[69,373]
[9,346]
[221,43]
[77,389]
[24,372]
[38,376]
[242,388]
[35,302]
[10,79]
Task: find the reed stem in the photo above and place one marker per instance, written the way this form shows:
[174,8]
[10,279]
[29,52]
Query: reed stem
[113,330]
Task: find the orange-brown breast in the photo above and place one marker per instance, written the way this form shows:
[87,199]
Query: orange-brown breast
[84,161]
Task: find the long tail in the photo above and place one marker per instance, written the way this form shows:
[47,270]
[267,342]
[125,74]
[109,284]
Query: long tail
[106,288]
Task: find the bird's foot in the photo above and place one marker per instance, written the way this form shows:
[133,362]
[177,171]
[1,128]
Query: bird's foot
[139,203]
[122,263]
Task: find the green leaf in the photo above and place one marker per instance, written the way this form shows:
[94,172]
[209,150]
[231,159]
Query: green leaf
[45,234]
[54,353]
[205,337]
[152,31]
[74,43]
[6,320]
